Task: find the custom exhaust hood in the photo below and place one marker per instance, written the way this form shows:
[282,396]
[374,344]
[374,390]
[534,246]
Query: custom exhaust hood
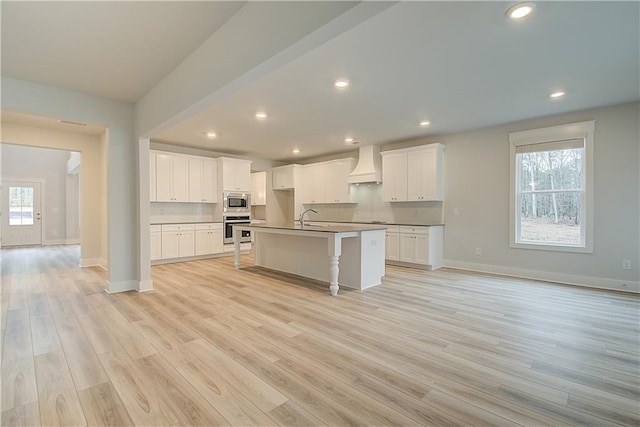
[368,168]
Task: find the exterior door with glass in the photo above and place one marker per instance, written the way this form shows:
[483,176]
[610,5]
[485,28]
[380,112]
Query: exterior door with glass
[21,214]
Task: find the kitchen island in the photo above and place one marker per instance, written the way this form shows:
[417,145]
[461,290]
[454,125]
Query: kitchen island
[349,256]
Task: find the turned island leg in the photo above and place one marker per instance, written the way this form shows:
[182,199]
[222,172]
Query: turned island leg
[335,249]
[333,270]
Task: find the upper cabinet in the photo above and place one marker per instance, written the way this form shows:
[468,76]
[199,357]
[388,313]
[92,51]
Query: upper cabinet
[202,180]
[172,177]
[285,177]
[258,188]
[235,174]
[413,174]
[336,179]
[394,177]
[153,195]
[182,178]
[327,182]
[313,183]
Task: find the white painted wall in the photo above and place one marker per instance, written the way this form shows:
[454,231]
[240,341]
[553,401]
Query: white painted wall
[50,167]
[477,183]
[119,149]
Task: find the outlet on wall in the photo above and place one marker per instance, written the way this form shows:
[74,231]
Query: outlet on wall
[478,251]
[626,264]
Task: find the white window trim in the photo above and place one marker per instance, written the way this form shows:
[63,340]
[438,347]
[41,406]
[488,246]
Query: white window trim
[582,130]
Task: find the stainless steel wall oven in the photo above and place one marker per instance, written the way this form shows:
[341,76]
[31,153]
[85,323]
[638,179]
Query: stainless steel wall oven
[228,222]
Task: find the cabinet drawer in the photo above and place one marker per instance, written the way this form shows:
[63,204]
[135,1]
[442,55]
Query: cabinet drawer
[177,227]
[156,228]
[209,226]
[410,229]
[393,229]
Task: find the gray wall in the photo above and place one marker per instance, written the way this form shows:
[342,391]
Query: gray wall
[477,183]
[50,167]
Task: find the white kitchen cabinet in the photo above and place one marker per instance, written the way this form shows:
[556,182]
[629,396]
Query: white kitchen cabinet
[172,177]
[258,188]
[392,243]
[394,177]
[208,239]
[413,174]
[203,187]
[235,174]
[421,246]
[156,242]
[414,244]
[313,183]
[284,177]
[425,169]
[326,182]
[153,195]
[178,240]
[337,186]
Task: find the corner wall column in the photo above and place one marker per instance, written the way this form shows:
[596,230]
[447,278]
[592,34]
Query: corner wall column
[144,249]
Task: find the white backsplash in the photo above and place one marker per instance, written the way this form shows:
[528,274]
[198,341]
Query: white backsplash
[370,207]
[185,212]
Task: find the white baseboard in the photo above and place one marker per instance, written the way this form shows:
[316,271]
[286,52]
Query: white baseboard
[145,285]
[53,242]
[116,287]
[61,242]
[93,262]
[569,279]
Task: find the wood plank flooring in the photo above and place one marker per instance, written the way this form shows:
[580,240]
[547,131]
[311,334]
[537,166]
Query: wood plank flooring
[216,346]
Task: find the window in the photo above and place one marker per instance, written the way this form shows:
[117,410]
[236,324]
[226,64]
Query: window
[551,188]
[20,205]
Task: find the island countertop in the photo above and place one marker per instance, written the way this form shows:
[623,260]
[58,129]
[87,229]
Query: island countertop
[316,228]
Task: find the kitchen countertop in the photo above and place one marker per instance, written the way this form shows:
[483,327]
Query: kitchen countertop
[382,223]
[321,228]
[185,222]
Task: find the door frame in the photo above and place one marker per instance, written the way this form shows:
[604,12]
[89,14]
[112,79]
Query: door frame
[43,221]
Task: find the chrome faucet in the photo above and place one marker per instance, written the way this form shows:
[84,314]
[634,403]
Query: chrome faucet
[301,219]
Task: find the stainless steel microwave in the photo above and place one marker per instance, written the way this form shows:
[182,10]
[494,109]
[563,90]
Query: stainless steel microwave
[236,202]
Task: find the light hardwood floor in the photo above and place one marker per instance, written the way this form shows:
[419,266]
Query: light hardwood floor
[216,346]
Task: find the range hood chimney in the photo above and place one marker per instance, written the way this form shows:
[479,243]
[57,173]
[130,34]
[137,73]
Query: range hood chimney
[368,167]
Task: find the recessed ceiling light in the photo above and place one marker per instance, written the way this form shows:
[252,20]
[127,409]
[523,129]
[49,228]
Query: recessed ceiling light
[211,135]
[556,95]
[296,151]
[425,123]
[350,141]
[341,83]
[519,11]
[261,115]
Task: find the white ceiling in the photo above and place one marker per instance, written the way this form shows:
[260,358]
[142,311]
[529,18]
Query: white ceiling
[461,65]
[113,49]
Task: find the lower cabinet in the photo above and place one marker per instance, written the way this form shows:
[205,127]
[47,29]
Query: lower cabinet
[178,240]
[208,239]
[421,246]
[156,242]
[170,241]
[414,245]
[392,243]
